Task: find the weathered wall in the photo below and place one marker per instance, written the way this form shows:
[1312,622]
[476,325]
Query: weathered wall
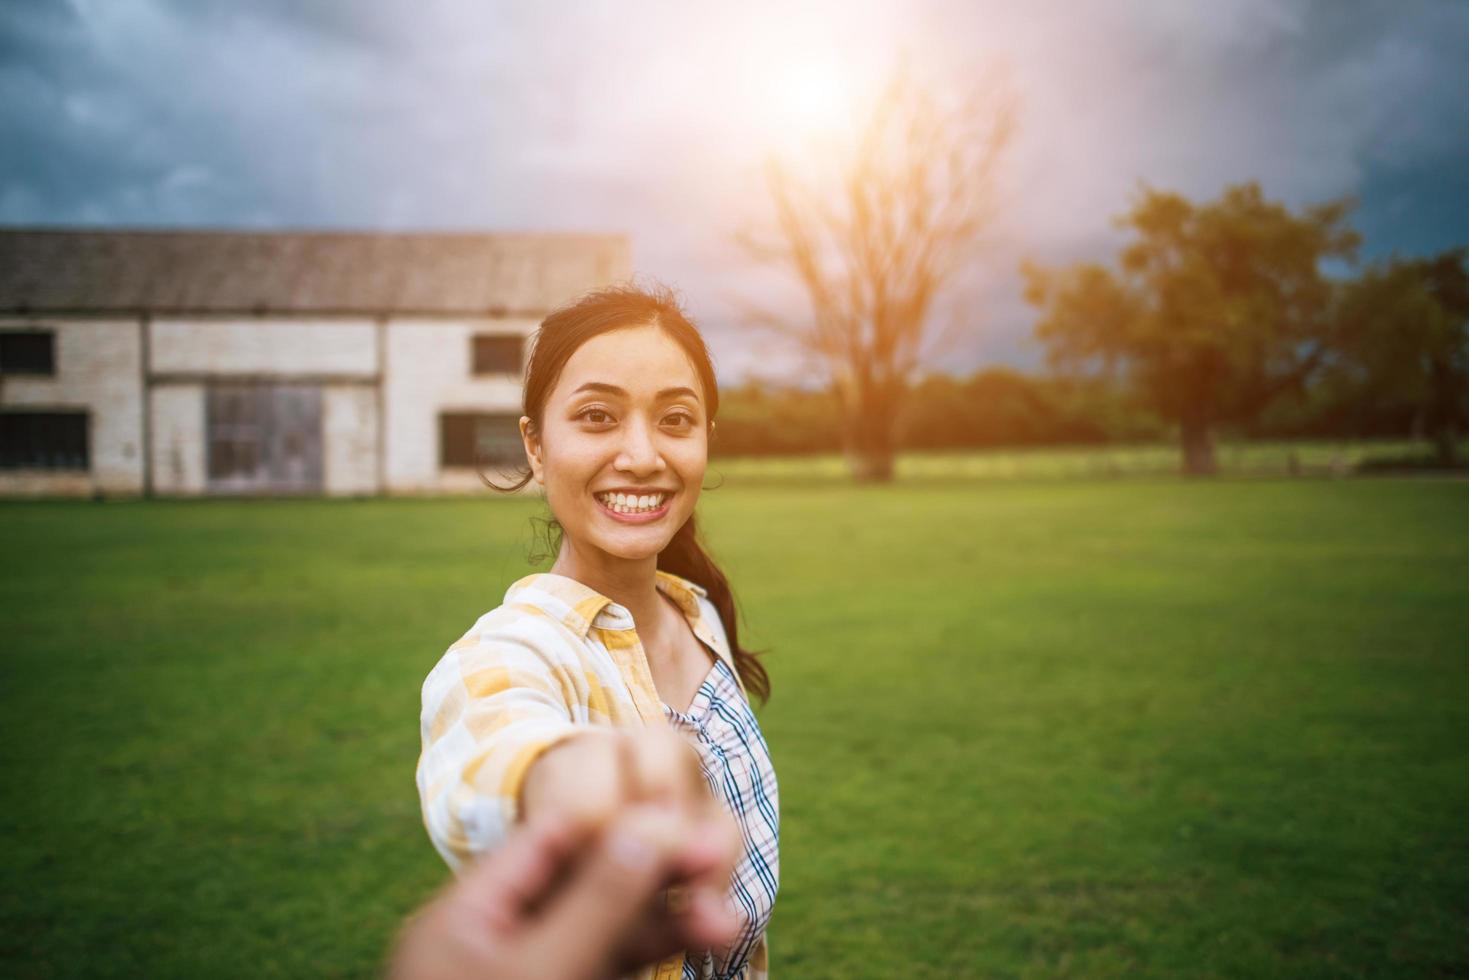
[427,365]
[264,345]
[177,412]
[428,371]
[350,439]
[98,368]
[340,354]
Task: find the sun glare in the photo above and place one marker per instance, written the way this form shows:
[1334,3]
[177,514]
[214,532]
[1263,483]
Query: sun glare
[814,93]
[806,98]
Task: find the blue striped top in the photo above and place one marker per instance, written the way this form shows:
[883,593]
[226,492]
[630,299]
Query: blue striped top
[736,762]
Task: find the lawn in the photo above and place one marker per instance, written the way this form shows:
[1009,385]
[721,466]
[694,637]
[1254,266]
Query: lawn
[1137,727]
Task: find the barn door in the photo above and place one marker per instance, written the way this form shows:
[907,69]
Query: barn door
[264,437]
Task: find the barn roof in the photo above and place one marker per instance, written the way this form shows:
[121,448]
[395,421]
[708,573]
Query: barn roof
[429,273]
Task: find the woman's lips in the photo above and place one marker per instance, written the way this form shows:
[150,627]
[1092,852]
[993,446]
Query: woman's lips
[643,518]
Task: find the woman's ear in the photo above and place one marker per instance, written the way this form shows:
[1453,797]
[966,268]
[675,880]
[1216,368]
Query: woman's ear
[532,448]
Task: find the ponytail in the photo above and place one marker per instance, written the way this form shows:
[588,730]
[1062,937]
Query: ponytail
[686,557]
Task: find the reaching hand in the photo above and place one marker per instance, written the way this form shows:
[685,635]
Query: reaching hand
[595,774]
[589,776]
[573,899]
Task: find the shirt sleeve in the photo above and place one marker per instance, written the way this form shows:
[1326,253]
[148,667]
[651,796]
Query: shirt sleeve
[494,702]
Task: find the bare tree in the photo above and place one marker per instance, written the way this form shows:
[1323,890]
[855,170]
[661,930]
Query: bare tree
[875,240]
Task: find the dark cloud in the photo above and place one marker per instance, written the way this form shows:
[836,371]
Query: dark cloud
[653,118]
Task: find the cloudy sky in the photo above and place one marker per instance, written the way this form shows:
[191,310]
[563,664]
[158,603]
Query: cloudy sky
[653,119]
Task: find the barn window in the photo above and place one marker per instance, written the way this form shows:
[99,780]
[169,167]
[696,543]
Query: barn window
[478,439]
[263,437]
[28,352]
[44,441]
[497,353]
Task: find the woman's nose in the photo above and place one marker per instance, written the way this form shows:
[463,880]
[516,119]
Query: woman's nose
[639,450]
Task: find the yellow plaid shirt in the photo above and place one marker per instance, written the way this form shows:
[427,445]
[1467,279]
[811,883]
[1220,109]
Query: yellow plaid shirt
[555,657]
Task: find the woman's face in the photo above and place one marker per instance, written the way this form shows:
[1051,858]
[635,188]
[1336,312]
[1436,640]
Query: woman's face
[627,416]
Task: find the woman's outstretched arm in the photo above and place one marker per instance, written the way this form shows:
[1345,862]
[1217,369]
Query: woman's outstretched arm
[495,701]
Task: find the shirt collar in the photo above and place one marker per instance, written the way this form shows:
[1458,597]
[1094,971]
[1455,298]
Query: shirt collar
[579,606]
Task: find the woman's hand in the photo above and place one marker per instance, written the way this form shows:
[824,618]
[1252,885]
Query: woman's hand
[562,900]
[590,778]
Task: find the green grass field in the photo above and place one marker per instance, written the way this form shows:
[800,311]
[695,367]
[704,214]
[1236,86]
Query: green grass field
[1143,728]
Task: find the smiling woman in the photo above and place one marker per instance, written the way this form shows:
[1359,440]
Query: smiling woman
[587,688]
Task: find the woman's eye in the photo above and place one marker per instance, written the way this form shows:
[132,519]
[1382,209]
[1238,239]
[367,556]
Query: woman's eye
[589,413]
[687,419]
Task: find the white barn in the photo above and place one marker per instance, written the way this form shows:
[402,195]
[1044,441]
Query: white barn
[193,363]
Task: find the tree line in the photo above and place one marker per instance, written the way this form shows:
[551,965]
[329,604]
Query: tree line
[1216,318]
[1236,316]
[1223,315]
[1000,407]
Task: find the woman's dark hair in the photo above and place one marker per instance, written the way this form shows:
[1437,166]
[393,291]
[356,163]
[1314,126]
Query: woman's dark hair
[557,338]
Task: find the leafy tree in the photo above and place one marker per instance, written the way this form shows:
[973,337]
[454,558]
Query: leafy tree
[1403,334]
[1215,309]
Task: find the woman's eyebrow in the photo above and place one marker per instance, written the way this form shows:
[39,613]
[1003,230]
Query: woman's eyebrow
[614,390]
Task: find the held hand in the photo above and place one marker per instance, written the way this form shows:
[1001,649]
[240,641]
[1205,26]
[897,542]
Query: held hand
[591,777]
[588,777]
[563,900]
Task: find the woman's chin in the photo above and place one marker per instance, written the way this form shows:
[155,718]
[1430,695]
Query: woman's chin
[634,550]
[635,541]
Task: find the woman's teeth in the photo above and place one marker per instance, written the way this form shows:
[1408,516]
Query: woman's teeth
[628,504]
